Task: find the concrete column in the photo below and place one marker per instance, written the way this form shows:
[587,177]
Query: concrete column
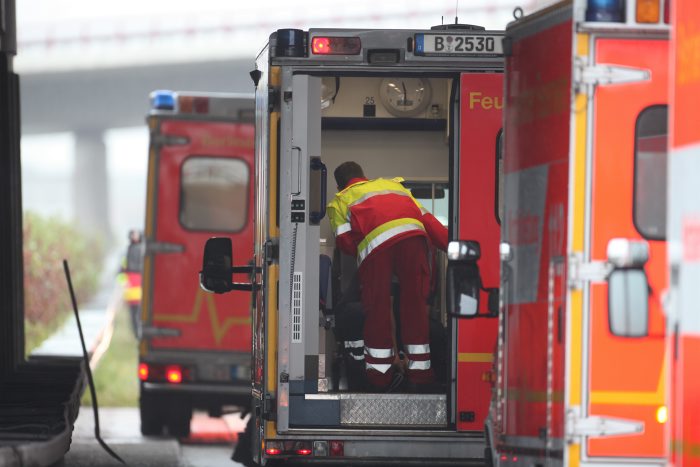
[90,183]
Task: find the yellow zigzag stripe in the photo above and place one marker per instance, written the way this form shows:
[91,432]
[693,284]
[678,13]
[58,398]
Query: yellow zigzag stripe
[219,329]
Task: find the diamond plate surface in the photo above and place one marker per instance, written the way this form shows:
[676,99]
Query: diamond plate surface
[393,409]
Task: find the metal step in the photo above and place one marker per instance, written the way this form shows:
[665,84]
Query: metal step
[382,410]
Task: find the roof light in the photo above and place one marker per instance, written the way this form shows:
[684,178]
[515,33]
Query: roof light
[143,371]
[336,45]
[193,104]
[606,10]
[290,43]
[173,374]
[162,100]
[648,11]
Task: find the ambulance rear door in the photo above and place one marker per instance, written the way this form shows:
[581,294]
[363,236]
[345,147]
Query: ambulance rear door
[478,218]
[624,368]
[199,186]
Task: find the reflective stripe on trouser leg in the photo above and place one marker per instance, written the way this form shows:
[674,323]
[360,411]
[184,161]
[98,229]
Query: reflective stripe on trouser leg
[375,286]
[355,349]
[411,268]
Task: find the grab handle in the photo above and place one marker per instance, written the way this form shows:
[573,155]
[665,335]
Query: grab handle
[316,216]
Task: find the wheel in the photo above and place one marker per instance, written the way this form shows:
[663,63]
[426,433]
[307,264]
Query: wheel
[179,417]
[151,415]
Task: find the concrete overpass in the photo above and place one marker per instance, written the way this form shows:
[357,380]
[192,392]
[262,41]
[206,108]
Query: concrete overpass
[90,102]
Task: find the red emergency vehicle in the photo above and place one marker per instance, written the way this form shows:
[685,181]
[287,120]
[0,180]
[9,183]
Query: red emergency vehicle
[194,349]
[684,233]
[424,105]
[583,363]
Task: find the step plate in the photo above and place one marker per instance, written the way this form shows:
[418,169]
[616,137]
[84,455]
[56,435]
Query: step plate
[414,410]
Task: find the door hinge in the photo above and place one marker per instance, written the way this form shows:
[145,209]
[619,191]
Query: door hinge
[580,271]
[603,75]
[578,427]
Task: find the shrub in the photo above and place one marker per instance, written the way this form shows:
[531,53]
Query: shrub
[47,241]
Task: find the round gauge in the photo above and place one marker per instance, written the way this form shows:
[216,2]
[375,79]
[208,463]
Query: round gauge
[405,97]
[329,89]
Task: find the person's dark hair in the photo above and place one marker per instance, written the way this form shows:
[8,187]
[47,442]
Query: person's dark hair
[346,172]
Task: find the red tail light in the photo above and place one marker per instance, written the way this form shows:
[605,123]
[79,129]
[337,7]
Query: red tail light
[337,448]
[143,371]
[304,452]
[173,374]
[273,451]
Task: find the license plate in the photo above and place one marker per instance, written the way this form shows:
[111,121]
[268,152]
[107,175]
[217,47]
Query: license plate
[460,45]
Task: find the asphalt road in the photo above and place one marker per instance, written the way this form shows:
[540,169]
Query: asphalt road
[210,444]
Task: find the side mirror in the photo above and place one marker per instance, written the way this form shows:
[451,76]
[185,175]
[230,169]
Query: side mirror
[217,266]
[463,280]
[628,303]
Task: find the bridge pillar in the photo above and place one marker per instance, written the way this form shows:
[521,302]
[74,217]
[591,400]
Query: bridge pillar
[90,183]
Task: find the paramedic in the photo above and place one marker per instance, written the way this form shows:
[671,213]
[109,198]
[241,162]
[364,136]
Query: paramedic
[387,229]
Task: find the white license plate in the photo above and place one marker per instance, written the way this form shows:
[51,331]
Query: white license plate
[457,44]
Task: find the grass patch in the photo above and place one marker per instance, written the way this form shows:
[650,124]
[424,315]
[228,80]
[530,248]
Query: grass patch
[35,333]
[115,377]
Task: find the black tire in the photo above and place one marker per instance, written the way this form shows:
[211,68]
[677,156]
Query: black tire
[243,452]
[151,416]
[179,417]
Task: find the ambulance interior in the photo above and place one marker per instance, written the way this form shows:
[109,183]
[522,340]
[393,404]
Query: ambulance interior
[393,127]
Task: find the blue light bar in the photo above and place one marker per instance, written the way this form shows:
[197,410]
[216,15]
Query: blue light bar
[162,100]
[606,11]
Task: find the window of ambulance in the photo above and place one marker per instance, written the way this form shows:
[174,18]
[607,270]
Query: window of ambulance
[434,196]
[650,157]
[214,194]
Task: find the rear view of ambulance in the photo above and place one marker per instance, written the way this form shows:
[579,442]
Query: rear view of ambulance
[194,348]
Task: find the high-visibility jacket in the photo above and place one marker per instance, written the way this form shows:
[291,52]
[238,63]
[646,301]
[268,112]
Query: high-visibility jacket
[369,215]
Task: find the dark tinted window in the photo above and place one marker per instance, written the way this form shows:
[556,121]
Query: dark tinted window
[650,160]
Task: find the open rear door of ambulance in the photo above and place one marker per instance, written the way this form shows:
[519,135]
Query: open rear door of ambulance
[200,185]
[478,218]
[624,368]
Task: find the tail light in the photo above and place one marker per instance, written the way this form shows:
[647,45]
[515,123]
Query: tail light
[173,374]
[337,449]
[648,11]
[273,448]
[143,371]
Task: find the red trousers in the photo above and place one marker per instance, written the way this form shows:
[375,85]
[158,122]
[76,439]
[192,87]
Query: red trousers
[406,259]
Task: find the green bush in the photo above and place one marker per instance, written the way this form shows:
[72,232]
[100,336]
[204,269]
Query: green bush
[47,242]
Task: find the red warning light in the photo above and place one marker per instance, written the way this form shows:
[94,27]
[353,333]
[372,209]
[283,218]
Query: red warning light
[336,45]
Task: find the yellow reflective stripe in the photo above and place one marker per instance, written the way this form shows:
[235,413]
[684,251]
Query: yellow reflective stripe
[466,357]
[385,232]
[374,193]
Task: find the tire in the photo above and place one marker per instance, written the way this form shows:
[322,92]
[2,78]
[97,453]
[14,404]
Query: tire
[179,417]
[151,416]
[243,452]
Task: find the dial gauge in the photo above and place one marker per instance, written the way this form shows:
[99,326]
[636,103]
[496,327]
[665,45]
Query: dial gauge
[405,97]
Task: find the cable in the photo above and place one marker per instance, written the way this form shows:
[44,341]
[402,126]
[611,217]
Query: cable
[91,383]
